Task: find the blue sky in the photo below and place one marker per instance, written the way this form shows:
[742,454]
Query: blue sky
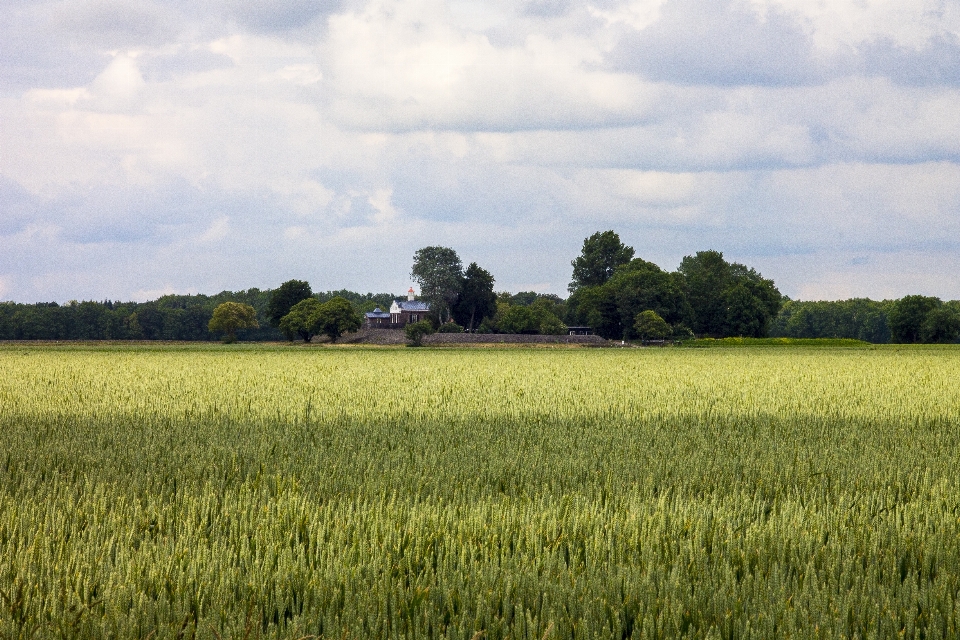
[160,147]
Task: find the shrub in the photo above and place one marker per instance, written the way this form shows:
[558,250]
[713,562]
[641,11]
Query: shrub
[416,331]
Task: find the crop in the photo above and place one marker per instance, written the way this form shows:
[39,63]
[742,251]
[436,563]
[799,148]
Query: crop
[243,492]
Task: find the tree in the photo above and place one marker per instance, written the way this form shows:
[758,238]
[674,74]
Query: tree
[302,320]
[727,299]
[416,331]
[228,317]
[439,273]
[908,315]
[746,315]
[706,276]
[941,325]
[551,325]
[519,319]
[477,299]
[602,253]
[336,317]
[284,298]
[650,326]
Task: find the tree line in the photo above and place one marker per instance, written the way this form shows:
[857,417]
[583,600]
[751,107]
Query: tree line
[614,293]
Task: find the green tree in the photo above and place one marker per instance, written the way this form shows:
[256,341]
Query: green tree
[746,315]
[601,254]
[727,299]
[283,299]
[439,273]
[907,317]
[336,317]
[941,325]
[302,320]
[476,300]
[229,317]
[417,331]
[706,276]
[650,326]
[518,319]
[551,325]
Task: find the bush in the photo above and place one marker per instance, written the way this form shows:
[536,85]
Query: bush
[650,326]
[450,327]
[487,326]
[416,331]
[552,326]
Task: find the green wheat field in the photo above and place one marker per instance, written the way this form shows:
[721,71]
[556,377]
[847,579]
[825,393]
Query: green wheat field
[282,492]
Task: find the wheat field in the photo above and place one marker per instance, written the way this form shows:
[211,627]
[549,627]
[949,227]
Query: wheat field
[277,492]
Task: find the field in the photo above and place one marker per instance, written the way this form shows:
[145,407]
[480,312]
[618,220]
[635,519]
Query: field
[246,492]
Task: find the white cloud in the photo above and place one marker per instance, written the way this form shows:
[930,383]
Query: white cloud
[157,147]
[217,231]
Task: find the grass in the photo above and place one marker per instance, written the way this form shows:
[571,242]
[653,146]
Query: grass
[248,491]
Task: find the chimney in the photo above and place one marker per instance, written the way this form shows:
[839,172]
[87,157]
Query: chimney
[410,295]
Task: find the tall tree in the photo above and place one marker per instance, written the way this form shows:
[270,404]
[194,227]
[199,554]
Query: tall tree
[285,297]
[477,299]
[728,299]
[602,253]
[908,315]
[439,273]
[706,276]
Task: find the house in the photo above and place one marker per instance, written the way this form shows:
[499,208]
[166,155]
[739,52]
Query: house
[376,319]
[402,313]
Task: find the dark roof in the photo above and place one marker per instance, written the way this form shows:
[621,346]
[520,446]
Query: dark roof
[377,313]
[413,305]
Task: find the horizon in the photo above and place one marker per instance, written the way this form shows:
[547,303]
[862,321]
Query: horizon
[156,148]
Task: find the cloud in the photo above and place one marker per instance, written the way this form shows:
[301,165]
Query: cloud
[722,43]
[390,68]
[210,145]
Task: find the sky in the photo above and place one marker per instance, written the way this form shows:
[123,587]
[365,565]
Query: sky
[194,146]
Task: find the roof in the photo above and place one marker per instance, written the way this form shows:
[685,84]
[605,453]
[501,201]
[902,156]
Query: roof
[377,313]
[413,305]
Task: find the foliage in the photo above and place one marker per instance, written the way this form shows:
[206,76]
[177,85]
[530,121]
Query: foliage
[362,302]
[283,299]
[601,254]
[439,273]
[551,325]
[450,327]
[336,317]
[802,492]
[311,317]
[859,319]
[171,317]
[417,331]
[229,317]
[650,326]
[476,299]
[941,325]
[611,309]
[303,320]
[728,299]
[518,319]
[923,319]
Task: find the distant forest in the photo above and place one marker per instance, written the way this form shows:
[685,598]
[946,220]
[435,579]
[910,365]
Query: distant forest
[185,317]
[611,292]
[171,317]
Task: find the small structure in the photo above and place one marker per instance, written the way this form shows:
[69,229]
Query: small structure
[402,313]
[376,319]
[580,331]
